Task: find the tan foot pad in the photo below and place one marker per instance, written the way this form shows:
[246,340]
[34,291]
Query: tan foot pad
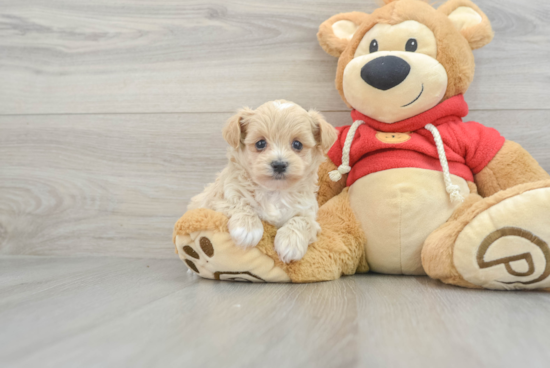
[213,255]
[507,246]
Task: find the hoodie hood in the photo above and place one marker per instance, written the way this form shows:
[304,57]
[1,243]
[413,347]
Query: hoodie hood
[454,106]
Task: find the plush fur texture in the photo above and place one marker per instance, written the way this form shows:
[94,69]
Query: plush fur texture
[197,220]
[250,189]
[480,34]
[327,39]
[338,251]
[327,187]
[513,165]
[437,253]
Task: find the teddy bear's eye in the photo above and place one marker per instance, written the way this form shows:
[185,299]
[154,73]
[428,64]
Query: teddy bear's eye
[373,46]
[411,45]
[261,144]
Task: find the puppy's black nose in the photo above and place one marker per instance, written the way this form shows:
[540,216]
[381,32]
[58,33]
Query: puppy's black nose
[279,167]
[385,72]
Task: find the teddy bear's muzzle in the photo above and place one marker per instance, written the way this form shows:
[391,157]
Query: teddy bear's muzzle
[385,72]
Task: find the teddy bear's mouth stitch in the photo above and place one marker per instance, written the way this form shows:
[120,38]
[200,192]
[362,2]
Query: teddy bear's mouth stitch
[413,101]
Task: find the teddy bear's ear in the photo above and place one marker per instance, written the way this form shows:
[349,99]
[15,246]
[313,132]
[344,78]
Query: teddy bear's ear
[472,23]
[336,32]
[234,130]
[325,134]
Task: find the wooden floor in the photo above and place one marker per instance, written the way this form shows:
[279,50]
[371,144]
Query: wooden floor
[110,118]
[107,312]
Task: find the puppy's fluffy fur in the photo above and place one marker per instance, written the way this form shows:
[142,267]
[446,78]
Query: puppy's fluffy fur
[270,177]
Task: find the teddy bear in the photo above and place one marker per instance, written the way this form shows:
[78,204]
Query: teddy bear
[409,187]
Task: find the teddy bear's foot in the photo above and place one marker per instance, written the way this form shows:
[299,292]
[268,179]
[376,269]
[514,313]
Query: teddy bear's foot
[501,242]
[506,246]
[210,252]
[204,244]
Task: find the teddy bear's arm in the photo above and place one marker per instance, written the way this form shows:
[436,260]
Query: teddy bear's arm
[327,187]
[511,166]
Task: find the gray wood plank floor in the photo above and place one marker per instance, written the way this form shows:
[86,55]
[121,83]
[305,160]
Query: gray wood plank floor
[106,312]
[110,117]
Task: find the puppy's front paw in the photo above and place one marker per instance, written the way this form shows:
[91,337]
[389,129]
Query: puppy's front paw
[291,243]
[245,230]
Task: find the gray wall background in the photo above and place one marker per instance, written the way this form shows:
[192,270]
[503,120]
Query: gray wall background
[111,111]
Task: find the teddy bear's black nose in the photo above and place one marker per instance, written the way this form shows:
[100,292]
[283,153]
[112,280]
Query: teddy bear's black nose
[385,72]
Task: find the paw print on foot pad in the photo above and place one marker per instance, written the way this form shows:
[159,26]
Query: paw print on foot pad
[213,255]
[507,246]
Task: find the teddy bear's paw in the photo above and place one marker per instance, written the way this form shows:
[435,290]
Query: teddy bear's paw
[507,245]
[291,243]
[246,230]
[213,255]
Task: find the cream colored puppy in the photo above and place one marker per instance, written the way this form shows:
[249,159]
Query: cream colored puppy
[272,176]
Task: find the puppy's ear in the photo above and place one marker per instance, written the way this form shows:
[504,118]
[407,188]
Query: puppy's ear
[470,21]
[234,130]
[325,134]
[336,32]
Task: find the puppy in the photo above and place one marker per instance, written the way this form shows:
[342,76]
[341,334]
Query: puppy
[274,155]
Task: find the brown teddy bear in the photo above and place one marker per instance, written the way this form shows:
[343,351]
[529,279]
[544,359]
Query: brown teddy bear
[409,188]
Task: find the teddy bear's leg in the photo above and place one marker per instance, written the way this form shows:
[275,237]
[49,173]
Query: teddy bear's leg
[339,249]
[204,244]
[498,242]
[328,188]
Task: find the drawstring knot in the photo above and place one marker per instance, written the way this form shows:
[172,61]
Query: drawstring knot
[454,191]
[336,175]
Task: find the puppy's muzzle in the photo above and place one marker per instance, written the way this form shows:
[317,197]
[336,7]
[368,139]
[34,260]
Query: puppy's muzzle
[385,72]
[279,167]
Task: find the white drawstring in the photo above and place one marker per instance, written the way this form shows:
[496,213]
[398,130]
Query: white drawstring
[452,189]
[343,169]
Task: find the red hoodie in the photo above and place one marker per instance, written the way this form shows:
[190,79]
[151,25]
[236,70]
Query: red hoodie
[469,146]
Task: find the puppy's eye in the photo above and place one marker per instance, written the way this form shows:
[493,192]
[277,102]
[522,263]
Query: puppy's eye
[297,145]
[411,45]
[261,144]
[373,46]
